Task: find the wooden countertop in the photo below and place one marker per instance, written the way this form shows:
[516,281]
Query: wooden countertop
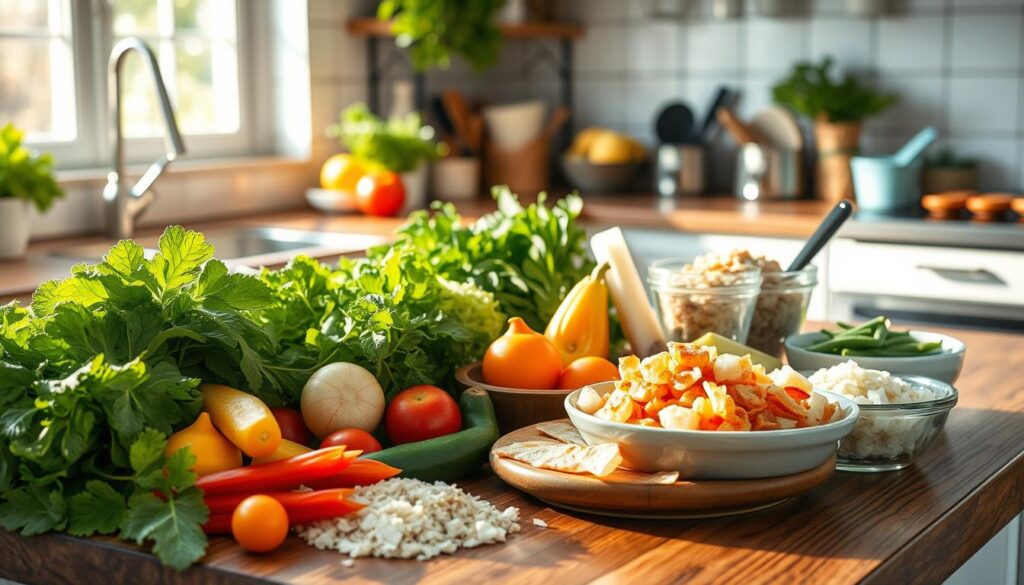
[914,525]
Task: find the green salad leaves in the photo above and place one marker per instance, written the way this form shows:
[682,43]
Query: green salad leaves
[104,365]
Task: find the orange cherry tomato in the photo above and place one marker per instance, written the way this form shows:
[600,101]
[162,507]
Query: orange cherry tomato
[259,524]
[522,358]
[353,440]
[587,370]
[380,194]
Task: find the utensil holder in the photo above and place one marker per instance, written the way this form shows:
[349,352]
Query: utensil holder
[456,178]
[767,172]
[680,170]
[526,171]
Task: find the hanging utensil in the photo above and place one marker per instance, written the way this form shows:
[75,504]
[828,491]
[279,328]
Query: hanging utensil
[674,124]
[828,228]
[706,132]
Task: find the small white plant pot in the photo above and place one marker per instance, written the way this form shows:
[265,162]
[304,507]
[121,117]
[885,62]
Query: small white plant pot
[415,182]
[14,227]
[456,178]
[514,12]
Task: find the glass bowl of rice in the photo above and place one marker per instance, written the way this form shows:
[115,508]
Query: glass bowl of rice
[900,416]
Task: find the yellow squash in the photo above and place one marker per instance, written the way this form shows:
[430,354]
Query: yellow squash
[286,450]
[244,419]
[213,452]
[579,327]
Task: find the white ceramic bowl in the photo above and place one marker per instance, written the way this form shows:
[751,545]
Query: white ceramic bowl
[715,454]
[331,200]
[943,366]
[513,126]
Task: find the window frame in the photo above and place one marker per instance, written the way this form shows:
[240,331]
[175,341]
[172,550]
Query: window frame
[91,42]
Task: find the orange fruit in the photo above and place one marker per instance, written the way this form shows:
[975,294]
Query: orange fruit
[522,358]
[587,370]
[341,172]
[259,524]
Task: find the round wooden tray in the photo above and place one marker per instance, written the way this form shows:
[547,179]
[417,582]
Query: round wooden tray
[614,496]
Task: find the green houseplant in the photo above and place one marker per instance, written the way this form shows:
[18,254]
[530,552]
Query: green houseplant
[25,178]
[435,30]
[403,145]
[838,108]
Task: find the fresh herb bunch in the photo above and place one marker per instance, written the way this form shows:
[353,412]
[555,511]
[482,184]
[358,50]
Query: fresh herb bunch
[811,91]
[528,257]
[103,367]
[434,30]
[24,174]
[398,145]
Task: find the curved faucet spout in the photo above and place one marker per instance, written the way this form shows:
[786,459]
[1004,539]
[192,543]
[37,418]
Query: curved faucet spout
[124,203]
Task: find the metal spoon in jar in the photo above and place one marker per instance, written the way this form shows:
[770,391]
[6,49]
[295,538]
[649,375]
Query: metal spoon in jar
[828,228]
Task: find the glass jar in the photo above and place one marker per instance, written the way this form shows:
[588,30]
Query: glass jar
[690,304]
[781,308]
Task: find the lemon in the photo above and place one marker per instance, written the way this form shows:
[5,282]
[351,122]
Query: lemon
[584,139]
[342,172]
[610,148]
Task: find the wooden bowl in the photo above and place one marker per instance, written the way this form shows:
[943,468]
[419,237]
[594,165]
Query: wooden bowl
[990,206]
[516,407]
[946,205]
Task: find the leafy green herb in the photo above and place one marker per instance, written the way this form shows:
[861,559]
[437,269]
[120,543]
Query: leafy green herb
[811,91]
[399,144]
[24,174]
[434,30]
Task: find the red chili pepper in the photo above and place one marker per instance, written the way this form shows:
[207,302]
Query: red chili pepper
[796,393]
[359,472]
[280,475]
[226,503]
[302,507]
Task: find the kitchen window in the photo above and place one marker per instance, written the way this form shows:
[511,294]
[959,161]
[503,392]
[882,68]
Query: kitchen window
[53,77]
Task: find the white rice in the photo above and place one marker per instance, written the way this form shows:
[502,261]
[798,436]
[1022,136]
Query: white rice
[408,518]
[876,435]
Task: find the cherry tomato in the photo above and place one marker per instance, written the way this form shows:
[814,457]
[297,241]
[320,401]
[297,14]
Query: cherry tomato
[353,439]
[292,426]
[380,193]
[420,413]
[259,524]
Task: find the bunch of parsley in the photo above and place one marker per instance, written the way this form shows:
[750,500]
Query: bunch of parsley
[103,367]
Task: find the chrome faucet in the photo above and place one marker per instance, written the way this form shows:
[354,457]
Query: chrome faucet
[123,202]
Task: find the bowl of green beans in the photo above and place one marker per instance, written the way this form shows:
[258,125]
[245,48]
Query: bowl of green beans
[876,346]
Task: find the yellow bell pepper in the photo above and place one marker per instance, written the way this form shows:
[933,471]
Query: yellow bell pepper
[579,327]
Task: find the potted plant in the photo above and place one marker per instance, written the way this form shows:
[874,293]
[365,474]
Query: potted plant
[26,178]
[948,172]
[403,145]
[434,30]
[838,110]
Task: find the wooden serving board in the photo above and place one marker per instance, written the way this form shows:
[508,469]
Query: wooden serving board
[616,495]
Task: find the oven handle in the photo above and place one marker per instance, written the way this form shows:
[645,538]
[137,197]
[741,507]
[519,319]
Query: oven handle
[966,275]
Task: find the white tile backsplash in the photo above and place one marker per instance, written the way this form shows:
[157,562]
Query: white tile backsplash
[989,40]
[957,64]
[773,44]
[910,42]
[652,47]
[846,40]
[712,47]
[984,104]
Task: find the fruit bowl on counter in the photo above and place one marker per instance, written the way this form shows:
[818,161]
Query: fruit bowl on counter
[515,408]
[603,160]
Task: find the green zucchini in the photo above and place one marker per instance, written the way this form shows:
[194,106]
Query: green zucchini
[451,456]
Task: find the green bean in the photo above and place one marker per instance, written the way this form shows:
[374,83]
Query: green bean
[872,338]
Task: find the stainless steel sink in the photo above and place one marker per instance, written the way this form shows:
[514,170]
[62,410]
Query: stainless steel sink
[250,246]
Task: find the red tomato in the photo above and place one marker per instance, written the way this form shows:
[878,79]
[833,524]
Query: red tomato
[353,439]
[420,413]
[292,426]
[381,194]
